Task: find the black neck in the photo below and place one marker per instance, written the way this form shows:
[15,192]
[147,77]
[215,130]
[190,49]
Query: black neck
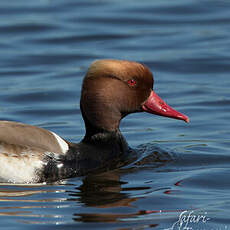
[106,139]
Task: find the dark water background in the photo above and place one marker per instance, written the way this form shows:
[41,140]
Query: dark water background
[46,47]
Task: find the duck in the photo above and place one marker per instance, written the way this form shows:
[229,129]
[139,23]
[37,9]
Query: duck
[111,90]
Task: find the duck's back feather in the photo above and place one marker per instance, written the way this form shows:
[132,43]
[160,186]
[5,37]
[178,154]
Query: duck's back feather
[19,134]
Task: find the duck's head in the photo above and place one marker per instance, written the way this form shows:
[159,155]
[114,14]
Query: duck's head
[113,89]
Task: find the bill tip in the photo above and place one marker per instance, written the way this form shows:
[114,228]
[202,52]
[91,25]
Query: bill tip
[187,120]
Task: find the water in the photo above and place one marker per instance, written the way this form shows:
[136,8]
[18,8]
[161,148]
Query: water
[46,47]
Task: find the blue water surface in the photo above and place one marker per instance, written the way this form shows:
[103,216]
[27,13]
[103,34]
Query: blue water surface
[183,169]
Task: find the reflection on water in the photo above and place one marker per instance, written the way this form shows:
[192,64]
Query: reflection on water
[117,196]
[100,191]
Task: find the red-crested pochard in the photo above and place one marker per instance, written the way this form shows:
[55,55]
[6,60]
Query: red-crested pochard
[111,90]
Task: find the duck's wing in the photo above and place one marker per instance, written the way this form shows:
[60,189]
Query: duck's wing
[18,134]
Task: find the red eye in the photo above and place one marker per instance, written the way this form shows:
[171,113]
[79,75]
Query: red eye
[132,82]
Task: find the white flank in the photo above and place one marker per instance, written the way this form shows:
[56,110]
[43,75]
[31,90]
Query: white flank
[19,169]
[63,145]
